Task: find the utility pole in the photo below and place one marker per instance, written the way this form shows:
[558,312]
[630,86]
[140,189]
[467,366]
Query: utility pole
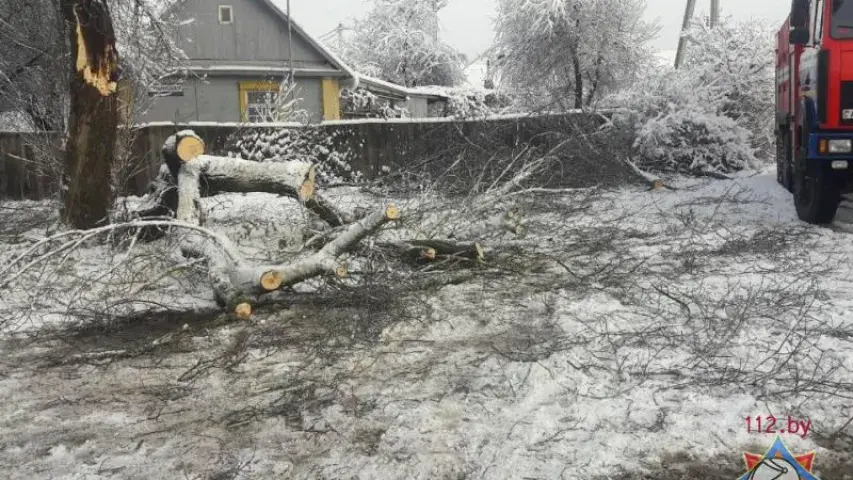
[682,42]
[715,13]
[689,10]
[290,44]
[435,17]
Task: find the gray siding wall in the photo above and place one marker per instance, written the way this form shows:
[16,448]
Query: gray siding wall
[417,107]
[311,92]
[256,35]
[217,99]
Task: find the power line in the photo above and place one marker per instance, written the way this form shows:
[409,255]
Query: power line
[290,43]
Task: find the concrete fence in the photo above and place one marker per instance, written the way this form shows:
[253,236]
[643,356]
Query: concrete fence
[30,164]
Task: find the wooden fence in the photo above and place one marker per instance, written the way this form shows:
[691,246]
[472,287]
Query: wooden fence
[30,165]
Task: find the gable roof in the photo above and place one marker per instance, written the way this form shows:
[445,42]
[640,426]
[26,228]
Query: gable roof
[317,44]
[312,41]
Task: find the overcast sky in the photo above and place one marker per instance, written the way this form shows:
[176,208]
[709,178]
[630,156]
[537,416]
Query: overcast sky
[468,24]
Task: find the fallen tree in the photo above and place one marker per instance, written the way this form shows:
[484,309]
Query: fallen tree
[224,174]
[188,175]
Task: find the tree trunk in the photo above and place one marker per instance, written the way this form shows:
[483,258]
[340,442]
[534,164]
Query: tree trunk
[576,63]
[93,120]
[596,79]
[224,174]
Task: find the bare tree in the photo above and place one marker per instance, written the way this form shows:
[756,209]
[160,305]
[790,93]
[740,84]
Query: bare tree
[569,52]
[398,42]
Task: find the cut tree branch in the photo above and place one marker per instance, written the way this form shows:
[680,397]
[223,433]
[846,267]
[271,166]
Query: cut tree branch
[236,283]
[223,174]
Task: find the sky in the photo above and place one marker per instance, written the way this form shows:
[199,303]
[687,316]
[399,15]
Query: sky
[467,25]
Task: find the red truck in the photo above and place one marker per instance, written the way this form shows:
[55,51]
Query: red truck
[814,106]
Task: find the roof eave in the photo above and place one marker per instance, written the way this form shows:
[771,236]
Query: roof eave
[254,70]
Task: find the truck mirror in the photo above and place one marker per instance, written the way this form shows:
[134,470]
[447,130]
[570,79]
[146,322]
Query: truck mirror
[799,14]
[799,36]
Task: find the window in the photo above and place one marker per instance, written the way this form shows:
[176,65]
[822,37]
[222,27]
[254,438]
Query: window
[842,19]
[258,101]
[225,14]
[259,106]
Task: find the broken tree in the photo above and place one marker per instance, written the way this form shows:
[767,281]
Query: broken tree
[188,174]
[93,117]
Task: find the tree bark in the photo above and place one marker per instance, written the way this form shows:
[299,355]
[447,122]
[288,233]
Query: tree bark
[93,118]
[576,63]
[595,79]
[237,284]
[223,174]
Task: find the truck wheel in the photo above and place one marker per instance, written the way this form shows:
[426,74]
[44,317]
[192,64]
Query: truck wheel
[817,193]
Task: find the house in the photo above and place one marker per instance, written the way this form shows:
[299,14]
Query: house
[239,51]
[418,103]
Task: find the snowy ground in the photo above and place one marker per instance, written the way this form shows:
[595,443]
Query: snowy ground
[645,328]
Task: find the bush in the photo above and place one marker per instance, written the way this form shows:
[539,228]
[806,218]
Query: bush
[715,113]
[691,141]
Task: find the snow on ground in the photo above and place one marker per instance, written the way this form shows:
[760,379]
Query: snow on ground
[648,326]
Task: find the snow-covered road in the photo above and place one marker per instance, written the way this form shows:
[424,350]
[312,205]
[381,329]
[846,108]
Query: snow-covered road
[650,327]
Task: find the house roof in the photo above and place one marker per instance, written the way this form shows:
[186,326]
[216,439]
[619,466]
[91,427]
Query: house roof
[336,61]
[393,88]
[333,59]
[314,42]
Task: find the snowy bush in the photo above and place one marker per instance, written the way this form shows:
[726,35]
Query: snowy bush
[714,114]
[688,140]
[734,63]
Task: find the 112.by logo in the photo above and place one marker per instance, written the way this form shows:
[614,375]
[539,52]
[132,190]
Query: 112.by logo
[778,464]
[793,426]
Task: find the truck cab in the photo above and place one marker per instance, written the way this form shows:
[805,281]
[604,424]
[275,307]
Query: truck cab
[814,106]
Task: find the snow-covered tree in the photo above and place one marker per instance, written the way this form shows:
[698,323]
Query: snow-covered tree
[715,113]
[735,65]
[567,53]
[398,42]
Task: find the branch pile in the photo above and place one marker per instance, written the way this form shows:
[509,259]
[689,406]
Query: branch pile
[188,175]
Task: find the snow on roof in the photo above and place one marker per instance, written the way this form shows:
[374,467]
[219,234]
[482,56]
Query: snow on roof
[434,90]
[382,83]
[407,91]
